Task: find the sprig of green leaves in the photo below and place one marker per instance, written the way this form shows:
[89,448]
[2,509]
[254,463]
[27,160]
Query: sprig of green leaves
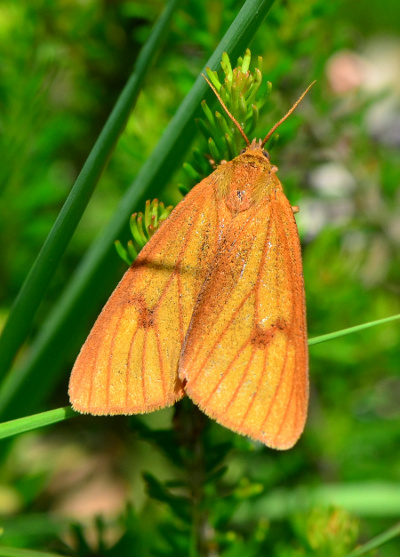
[143,226]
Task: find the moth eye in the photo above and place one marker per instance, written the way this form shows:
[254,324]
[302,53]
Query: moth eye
[266,154]
[242,151]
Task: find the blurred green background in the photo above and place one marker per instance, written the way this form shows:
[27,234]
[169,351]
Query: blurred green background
[77,488]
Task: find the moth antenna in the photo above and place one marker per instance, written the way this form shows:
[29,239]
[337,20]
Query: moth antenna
[272,130]
[239,127]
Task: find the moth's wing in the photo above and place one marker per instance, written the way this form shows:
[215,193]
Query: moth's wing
[245,357]
[129,362]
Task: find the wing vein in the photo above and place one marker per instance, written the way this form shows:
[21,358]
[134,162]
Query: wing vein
[128,366]
[180,310]
[160,359]
[143,359]
[92,379]
[253,398]
[226,372]
[109,359]
[240,383]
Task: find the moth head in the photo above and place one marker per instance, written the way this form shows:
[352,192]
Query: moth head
[256,148]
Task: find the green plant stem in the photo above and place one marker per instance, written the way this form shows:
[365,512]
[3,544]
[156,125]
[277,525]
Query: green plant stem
[69,321]
[22,425]
[19,552]
[27,302]
[189,425]
[351,330]
[379,540]
[365,499]
[196,477]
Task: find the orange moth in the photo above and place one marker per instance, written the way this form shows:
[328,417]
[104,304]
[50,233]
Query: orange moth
[214,308]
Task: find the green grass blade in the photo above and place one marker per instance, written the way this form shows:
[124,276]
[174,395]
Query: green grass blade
[97,275]
[364,499]
[350,330]
[22,425]
[18,552]
[42,271]
[379,540]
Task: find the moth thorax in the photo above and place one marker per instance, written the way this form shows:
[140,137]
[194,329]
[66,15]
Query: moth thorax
[246,180]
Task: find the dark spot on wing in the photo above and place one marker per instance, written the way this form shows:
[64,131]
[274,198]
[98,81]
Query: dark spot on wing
[261,338]
[146,315]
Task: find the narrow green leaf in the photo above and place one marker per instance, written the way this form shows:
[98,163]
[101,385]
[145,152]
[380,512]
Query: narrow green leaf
[350,330]
[365,499]
[141,232]
[222,123]
[204,129]
[213,150]
[226,66]
[122,252]
[132,252]
[147,214]
[164,212]
[35,285]
[19,552]
[22,425]
[191,171]
[155,209]
[246,61]
[213,77]
[208,114]
[254,120]
[256,87]
[183,189]
[231,146]
[133,223]
[379,540]
[242,108]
